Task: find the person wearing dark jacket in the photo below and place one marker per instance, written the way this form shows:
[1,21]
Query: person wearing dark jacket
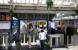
[17,39]
[70,32]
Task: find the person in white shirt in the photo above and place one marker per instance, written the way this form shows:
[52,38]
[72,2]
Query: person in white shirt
[42,38]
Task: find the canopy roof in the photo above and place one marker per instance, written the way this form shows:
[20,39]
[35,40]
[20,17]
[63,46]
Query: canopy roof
[39,2]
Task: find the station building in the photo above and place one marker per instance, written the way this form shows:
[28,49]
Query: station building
[60,21]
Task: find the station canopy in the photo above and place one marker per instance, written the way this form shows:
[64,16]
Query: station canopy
[38,2]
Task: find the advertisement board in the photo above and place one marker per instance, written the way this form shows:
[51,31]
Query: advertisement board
[5,24]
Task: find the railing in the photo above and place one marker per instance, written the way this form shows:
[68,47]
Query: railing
[23,40]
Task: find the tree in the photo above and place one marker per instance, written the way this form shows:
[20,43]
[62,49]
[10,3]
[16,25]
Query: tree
[11,10]
[76,12]
[49,3]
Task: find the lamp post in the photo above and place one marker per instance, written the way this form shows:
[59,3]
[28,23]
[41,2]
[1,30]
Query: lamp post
[49,6]
[11,13]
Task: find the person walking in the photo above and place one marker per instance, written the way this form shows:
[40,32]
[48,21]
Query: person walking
[70,32]
[42,38]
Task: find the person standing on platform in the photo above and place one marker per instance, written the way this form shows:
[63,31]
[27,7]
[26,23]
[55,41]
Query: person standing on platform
[42,38]
[70,32]
[17,39]
[30,29]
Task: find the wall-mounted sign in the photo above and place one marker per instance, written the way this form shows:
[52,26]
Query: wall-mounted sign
[5,24]
[5,17]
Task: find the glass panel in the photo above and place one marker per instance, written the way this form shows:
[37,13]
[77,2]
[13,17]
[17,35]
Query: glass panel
[14,1]
[5,1]
[1,1]
[55,1]
[66,2]
[18,1]
[35,1]
[31,1]
[43,1]
[27,1]
[40,0]
[23,1]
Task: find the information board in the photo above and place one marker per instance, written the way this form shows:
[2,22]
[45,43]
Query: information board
[5,24]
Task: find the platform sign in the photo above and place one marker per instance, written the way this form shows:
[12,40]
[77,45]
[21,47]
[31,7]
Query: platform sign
[4,24]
